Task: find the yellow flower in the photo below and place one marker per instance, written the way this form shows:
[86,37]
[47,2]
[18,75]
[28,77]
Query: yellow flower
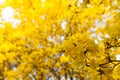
[2,58]
[64,59]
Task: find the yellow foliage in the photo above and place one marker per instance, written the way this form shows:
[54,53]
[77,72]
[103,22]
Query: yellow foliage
[45,39]
[116,72]
[64,59]
[2,58]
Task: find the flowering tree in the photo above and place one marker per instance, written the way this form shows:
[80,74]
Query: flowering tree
[59,40]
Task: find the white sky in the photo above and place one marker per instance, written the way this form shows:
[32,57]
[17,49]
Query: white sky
[63,25]
[118,57]
[7,15]
[2,1]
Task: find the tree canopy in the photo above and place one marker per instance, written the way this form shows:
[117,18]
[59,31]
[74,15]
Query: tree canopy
[59,39]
